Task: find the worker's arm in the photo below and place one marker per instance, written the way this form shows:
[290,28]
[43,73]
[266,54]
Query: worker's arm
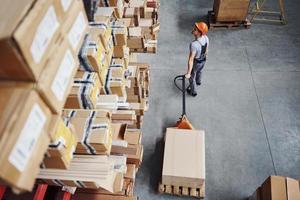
[190,64]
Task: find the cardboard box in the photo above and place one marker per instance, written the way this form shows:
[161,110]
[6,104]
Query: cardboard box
[274,188]
[64,6]
[137,158]
[93,128]
[133,13]
[104,32]
[119,33]
[62,146]
[24,138]
[84,92]
[231,10]
[109,102]
[75,26]
[104,12]
[82,196]
[92,53]
[184,158]
[115,83]
[56,79]
[121,52]
[136,42]
[138,4]
[133,136]
[116,4]
[86,172]
[256,195]
[293,189]
[118,62]
[127,21]
[29,30]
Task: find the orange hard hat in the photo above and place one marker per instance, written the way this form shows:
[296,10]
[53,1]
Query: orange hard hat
[202,27]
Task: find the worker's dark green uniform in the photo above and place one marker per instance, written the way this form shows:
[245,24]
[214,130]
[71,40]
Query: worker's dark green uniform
[198,47]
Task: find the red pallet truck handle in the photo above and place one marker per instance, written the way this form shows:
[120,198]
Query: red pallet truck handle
[2,191]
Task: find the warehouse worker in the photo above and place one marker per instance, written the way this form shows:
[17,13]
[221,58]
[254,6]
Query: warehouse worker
[197,56]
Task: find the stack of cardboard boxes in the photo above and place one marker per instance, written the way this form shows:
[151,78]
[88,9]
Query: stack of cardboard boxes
[278,187]
[39,42]
[143,26]
[74,95]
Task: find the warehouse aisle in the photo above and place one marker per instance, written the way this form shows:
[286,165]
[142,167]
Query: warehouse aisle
[249,104]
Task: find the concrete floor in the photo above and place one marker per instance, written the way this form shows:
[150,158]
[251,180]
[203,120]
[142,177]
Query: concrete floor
[248,104]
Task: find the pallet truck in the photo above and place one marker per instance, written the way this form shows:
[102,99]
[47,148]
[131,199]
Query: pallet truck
[183,122]
[182,189]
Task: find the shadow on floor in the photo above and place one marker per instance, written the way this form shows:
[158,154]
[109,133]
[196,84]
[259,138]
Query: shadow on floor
[155,161]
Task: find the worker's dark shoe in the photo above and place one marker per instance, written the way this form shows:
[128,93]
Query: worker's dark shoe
[190,92]
[193,94]
[198,83]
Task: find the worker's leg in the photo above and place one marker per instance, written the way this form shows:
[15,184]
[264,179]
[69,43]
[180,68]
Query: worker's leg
[199,73]
[191,89]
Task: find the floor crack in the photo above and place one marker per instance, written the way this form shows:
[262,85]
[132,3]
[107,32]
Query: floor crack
[260,110]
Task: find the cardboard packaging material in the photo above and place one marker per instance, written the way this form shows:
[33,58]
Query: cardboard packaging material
[105,69]
[85,91]
[293,189]
[256,195]
[136,42]
[135,31]
[133,136]
[65,7]
[56,79]
[133,13]
[121,52]
[116,4]
[124,116]
[91,54]
[93,128]
[127,21]
[131,172]
[24,138]
[277,188]
[82,196]
[105,12]
[62,146]
[184,158]
[109,102]
[118,62]
[231,10]
[104,32]
[75,26]
[119,145]
[119,33]
[86,172]
[274,188]
[115,81]
[140,5]
[29,30]
[137,158]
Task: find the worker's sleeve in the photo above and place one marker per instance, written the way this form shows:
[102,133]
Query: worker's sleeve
[193,47]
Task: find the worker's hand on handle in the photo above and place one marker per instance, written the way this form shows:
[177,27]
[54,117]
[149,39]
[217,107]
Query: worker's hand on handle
[187,75]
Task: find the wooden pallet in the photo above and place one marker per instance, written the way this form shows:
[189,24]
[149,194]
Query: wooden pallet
[213,24]
[182,191]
